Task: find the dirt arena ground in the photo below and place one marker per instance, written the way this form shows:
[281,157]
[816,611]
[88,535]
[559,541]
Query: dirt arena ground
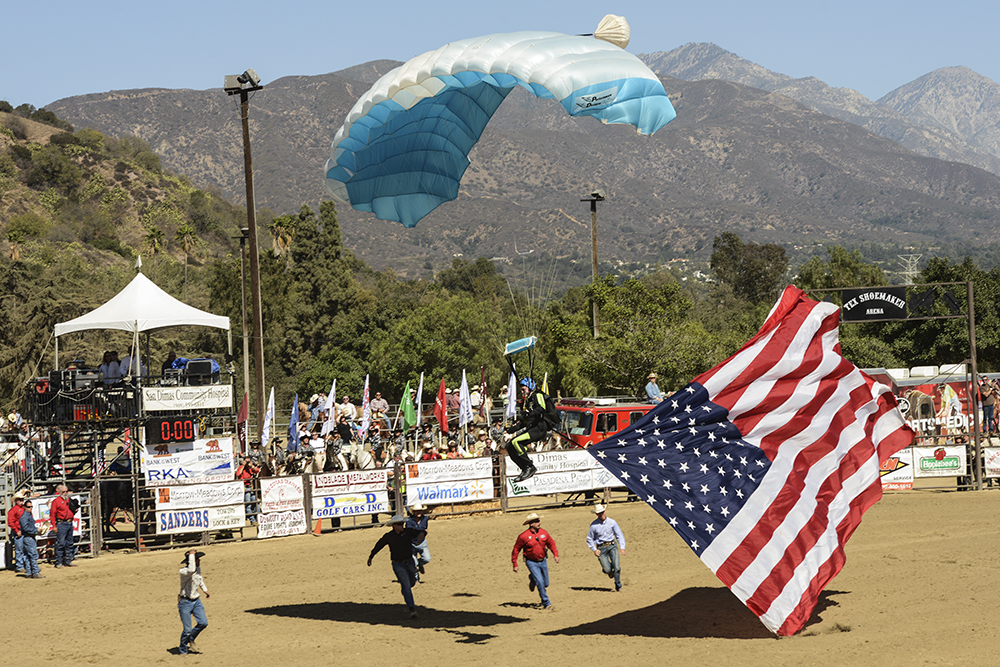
[918,588]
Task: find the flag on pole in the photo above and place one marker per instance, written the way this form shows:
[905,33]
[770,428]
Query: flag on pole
[366,413]
[406,404]
[511,410]
[241,424]
[765,464]
[420,397]
[441,408]
[265,432]
[330,410]
[464,403]
[484,396]
[293,426]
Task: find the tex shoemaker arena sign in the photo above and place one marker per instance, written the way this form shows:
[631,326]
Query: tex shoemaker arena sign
[157,399]
[882,303]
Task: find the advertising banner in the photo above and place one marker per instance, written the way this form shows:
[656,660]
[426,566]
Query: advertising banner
[353,481]
[947,461]
[196,496]
[561,472]
[281,494]
[196,462]
[43,523]
[280,524]
[200,520]
[350,504]
[450,492]
[991,461]
[171,399]
[429,472]
[897,471]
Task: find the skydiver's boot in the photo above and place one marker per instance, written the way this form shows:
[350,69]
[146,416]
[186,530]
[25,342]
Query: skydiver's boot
[526,473]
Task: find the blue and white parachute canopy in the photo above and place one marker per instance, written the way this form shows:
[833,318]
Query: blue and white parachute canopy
[404,146]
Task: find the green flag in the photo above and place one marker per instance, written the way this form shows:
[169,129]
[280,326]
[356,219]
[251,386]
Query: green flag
[409,414]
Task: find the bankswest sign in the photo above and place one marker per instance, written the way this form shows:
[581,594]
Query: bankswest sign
[163,399]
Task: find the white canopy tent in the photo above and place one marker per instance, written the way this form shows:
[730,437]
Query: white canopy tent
[142,307]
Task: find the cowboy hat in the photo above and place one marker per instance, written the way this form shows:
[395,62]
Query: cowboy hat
[531,518]
[418,507]
[598,508]
[197,555]
[651,376]
[399,518]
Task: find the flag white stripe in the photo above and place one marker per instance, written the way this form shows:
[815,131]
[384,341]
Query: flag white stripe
[758,504]
[800,514]
[827,544]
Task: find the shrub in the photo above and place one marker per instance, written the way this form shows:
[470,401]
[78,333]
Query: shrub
[28,225]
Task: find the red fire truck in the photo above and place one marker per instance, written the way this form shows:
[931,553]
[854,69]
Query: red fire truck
[589,420]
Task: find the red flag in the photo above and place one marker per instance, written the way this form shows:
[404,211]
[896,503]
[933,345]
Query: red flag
[441,408]
[241,424]
[766,463]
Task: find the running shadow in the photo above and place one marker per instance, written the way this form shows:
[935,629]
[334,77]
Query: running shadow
[698,613]
[388,614]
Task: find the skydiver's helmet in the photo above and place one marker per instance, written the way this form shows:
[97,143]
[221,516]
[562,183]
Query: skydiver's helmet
[529,383]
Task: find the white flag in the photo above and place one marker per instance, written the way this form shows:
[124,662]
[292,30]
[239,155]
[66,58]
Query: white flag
[265,434]
[420,395]
[329,409]
[511,410]
[464,403]
[366,412]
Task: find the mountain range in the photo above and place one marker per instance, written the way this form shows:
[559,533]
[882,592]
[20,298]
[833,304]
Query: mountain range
[775,159]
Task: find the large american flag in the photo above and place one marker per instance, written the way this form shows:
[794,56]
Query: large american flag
[765,464]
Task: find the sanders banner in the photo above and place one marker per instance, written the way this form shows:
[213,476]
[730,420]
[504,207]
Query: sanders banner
[200,520]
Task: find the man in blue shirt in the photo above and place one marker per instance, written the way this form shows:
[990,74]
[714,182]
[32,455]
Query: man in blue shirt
[653,394]
[417,524]
[606,540]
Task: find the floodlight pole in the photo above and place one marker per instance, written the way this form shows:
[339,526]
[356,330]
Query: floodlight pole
[593,199]
[258,324]
[243,296]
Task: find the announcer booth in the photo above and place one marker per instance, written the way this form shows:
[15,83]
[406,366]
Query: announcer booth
[96,431]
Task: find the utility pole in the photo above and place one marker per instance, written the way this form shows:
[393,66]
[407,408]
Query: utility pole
[238,85]
[595,196]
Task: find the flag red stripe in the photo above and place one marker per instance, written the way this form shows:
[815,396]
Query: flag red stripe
[829,569]
[775,515]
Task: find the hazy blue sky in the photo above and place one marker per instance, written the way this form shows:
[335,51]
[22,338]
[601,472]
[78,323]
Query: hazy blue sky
[59,48]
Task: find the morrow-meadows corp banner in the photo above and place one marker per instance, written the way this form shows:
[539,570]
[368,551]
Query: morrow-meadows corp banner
[196,496]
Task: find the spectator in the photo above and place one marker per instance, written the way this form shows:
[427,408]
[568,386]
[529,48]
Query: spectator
[430,454]
[109,369]
[653,394]
[168,364]
[29,531]
[347,410]
[14,527]
[61,517]
[247,472]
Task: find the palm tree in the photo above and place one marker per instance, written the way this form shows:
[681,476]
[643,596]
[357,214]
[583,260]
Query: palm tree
[154,239]
[188,237]
[282,233]
[15,238]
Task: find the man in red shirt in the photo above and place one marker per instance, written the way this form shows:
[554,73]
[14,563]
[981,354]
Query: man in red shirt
[14,527]
[61,517]
[534,542]
[246,472]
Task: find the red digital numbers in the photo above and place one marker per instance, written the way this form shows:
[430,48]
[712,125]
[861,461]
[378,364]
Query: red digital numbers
[177,430]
